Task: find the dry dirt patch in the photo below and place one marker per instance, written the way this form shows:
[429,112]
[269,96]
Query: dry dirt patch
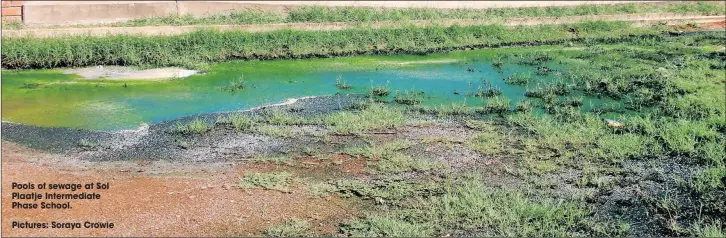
[201,202]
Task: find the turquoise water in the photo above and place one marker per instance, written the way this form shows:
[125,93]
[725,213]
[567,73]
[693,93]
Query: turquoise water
[49,98]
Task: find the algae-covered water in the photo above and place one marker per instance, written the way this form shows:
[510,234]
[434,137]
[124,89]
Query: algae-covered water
[51,99]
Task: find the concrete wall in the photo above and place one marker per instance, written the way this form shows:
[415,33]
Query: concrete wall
[12,11]
[93,12]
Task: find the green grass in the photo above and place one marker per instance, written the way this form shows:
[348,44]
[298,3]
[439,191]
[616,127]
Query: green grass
[280,181]
[196,126]
[455,109]
[289,228]
[280,117]
[235,85]
[399,163]
[367,14]
[488,92]
[388,158]
[469,205]
[500,105]
[239,121]
[341,84]
[408,97]
[214,46]
[709,229]
[276,131]
[377,226]
[518,79]
[87,144]
[374,117]
[379,90]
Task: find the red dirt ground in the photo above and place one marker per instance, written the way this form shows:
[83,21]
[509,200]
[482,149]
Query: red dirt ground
[202,203]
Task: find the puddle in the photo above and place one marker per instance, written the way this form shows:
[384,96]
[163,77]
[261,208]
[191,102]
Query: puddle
[51,98]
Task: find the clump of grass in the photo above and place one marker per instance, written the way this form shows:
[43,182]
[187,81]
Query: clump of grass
[467,205]
[572,101]
[408,97]
[87,144]
[381,226]
[279,181]
[490,91]
[235,85]
[184,144]
[531,58]
[374,117]
[524,106]
[497,105]
[277,160]
[196,126]
[455,109]
[277,131]
[542,70]
[708,229]
[239,121]
[399,163]
[709,179]
[290,228]
[282,118]
[474,206]
[379,90]
[518,79]
[320,189]
[488,140]
[340,84]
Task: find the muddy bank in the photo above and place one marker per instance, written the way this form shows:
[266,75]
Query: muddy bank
[159,142]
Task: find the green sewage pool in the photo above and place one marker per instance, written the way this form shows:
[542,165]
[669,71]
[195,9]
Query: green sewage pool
[49,98]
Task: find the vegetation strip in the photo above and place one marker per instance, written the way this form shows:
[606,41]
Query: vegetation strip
[326,26]
[215,46]
[368,14]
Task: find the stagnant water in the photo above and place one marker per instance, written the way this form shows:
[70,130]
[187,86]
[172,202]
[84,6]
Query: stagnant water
[51,99]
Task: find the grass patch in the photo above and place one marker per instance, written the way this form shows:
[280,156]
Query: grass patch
[277,131]
[279,181]
[500,105]
[289,228]
[196,126]
[216,46]
[379,90]
[341,84]
[235,85]
[408,97]
[87,144]
[518,79]
[368,14]
[469,205]
[399,163]
[374,117]
[455,109]
[239,121]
